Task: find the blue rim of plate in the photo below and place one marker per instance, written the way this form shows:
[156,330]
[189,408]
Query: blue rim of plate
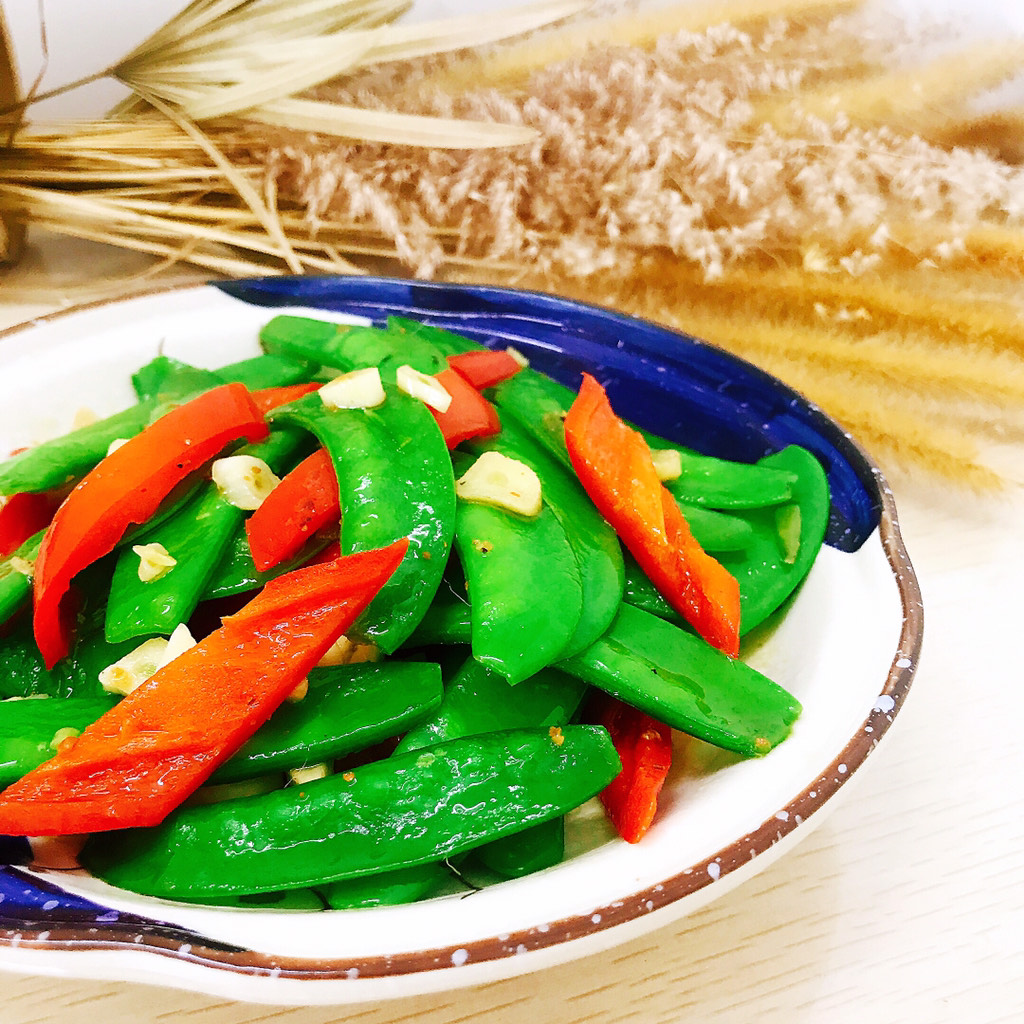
[672,384]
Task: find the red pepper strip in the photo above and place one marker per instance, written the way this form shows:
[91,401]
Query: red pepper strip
[23,516]
[303,502]
[126,488]
[146,755]
[614,465]
[644,746]
[267,399]
[484,368]
[469,415]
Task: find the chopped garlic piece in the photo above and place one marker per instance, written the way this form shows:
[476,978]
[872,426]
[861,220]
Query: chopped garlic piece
[358,389]
[84,417]
[22,565]
[495,479]
[300,692]
[118,442]
[130,672]
[424,387]
[668,463]
[244,481]
[217,792]
[155,561]
[64,734]
[348,652]
[518,356]
[300,776]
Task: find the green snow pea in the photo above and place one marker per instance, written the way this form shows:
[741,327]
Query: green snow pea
[268,371]
[423,806]
[784,540]
[28,728]
[448,620]
[395,480]
[538,847]
[517,628]
[58,462]
[15,585]
[718,531]
[538,404]
[347,708]
[170,380]
[479,700]
[388,888]
[682,681]
[593,542]
[197,535]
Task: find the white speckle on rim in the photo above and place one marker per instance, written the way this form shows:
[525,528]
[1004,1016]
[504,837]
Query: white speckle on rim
[184,950]
[648,905]
[904,663]
[352,973]
[595,918]
[459,957]
[813,794]
[782,815]
[715,870]
[504,937]
[543,927]
[842,769]
[868,728]
[521,949]
[51,905]
[884,703]
[42,936]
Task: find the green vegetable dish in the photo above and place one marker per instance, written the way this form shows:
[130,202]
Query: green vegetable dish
[380,607]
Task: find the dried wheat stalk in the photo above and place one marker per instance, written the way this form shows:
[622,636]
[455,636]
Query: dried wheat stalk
[754,182]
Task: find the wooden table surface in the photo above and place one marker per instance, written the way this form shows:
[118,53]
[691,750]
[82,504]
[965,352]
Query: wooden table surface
[905,905]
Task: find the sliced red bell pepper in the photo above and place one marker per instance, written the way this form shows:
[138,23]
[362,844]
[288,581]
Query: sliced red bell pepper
[126,488]
[146,755]
[469,415]
[267,399]
[644,746]
[613,462]
[303,502]
[23,516]
[484,368]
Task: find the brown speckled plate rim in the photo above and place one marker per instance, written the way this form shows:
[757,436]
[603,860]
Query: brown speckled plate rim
[186,947]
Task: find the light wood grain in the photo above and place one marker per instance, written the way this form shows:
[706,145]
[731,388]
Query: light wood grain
[906,905]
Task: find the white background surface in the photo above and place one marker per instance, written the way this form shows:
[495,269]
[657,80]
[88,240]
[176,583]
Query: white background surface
[906,905]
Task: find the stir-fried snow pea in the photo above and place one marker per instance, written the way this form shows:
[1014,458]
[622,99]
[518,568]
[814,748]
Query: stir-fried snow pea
[197,536]
[388,888]
[423,806]
[787,538]
[236,573]
[31,729]
[347,708]
[538,404]
[448,620]
[718,531]
[395,480]
[684,682]
[517,630]
[784,540]
[479,700]
[15,577]
[593,542]
[167,379]
[57,462]
[268,371]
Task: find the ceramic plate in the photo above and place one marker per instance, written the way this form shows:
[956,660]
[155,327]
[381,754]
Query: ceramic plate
[846,647]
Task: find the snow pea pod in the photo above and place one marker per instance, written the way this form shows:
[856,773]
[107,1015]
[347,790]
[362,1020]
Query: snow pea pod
[593,542]
[197,535]
[517,628]
[29,729]
[268,371]
[423,806]
[388,888]
[538,404]
[479,700]
[15,581]
[686,683]
[55,463]
[347,708]
[783,542]
[395,480]
[167,379]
